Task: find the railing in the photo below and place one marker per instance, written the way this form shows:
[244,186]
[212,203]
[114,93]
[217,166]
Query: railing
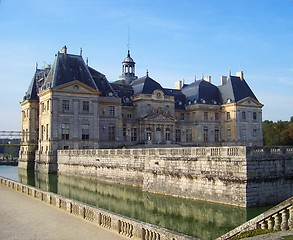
[278,218]
[161,152]
[269,151]
[130,228]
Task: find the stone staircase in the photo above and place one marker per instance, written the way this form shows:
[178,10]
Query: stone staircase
[279,218]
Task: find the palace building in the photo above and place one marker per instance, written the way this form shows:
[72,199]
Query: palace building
[70,105]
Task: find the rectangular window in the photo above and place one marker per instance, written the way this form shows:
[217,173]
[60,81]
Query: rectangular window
[216,116]
[254,132]
[243,114]
[48,105]
[111,133]
[43,107]
[111,110]
[254,116]
[205,134]
[228,134]
[65,131]
[85,106]
[133,134]
[129,115]
[188,135]
[243,134]
[205,116]
[124,133]
[217,135]
[228,117]
[178,135]
[65,105]
[85,131]
[43,132]
[47,132]
[168,134]
[182,117]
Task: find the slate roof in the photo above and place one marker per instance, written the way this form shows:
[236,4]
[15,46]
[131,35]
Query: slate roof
[235,89]
[67,68]
[145,85]
[179,97]
[202,92]
[124,91]
[102,83]
[36,82]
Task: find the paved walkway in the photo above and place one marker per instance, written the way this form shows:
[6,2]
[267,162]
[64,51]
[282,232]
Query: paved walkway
[25,218]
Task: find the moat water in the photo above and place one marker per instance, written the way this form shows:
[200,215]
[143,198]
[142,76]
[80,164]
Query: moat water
[196,218]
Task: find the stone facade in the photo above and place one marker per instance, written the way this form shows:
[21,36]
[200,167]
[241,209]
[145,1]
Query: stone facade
[242,176]
[70,105]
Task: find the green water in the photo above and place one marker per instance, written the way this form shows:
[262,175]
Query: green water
[196,218]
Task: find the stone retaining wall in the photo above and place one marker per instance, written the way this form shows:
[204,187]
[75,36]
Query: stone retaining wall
[130,228]
[236,175]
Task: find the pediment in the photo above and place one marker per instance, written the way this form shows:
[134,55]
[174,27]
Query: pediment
[76,87]
[249,102]
[159,117]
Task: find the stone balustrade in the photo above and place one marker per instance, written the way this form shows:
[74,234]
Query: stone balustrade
[186,151]
[279,218]
[269,151]
[130,228]
[174,152]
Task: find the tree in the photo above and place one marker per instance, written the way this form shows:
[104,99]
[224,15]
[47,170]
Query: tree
[278,133]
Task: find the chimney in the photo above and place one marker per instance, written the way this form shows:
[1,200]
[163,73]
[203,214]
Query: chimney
[178,84]
[64,50]
[240,74]
[223,80]
[208,78]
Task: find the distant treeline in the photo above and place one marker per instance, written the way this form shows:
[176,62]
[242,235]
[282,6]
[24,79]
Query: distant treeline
[8,149]
[278,133]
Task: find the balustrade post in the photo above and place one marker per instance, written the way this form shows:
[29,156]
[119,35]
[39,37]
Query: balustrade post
[270,223]
[284,224]
[263,224]
[290,221]
[277,225]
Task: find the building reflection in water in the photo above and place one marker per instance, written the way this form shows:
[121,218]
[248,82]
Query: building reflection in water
[196,218]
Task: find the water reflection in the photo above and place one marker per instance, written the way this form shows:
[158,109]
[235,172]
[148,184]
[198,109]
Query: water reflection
[196,218]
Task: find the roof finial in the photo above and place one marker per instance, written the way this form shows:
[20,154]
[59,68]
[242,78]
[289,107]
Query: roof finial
[80,53]
[87,61]
[202,76]
[147,72]
[229,72]
[36,65]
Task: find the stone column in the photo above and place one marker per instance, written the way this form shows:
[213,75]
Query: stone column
[284,224]
[263,225]
[290,221]
[270,223]
[277,225]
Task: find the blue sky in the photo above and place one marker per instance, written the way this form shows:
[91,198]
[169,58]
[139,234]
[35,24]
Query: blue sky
[174,40]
